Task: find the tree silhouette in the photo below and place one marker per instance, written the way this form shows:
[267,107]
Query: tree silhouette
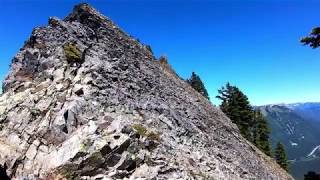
[260,132]
[313,40]
[236,106]
[281,156]
[198,85]
[311,176]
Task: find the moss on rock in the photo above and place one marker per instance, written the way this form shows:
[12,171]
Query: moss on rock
[140,129]
[150,135]
[72,52]
[153,136]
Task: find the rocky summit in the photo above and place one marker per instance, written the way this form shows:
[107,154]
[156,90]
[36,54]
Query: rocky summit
[84,100]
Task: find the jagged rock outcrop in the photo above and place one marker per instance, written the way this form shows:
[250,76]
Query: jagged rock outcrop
[84,100]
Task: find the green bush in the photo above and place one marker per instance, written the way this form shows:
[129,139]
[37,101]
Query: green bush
[153,136]
[72,52]
[142,131]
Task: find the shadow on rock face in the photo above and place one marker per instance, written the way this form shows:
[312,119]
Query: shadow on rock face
[3,172]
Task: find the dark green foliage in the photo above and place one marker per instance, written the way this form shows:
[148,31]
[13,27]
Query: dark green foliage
[251,123]
[198,85]
[260,132]
[311,176]
[236,106]
[281,156]
[141,130]
[72,53]
[313,40]
[149,48]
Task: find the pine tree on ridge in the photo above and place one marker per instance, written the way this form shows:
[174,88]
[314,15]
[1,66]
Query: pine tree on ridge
[281,156]
[197,84]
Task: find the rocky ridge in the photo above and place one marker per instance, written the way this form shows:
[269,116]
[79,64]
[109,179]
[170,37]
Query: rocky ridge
[84,100]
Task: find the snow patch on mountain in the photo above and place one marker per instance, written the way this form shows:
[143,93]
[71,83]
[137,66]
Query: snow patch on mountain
[294,106]
[312,153]
[293,143]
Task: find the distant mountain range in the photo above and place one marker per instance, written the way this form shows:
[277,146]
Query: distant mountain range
[309,111]
[297,126]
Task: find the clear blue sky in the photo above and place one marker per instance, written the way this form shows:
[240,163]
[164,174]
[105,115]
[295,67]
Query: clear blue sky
[253,44]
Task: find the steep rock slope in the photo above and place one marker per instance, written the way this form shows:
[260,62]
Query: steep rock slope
[85,100]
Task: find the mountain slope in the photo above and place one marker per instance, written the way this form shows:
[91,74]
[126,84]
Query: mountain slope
[309,110]
[291,129]
[85,100]
[298,133]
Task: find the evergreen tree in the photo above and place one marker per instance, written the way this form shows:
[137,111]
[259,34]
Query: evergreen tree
[251,123]
[313,40]
[198,85]
[149,48]
[260,132]
[281,156]
[236,106]
[311,176]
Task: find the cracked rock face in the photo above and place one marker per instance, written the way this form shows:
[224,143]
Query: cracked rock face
[84,100]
